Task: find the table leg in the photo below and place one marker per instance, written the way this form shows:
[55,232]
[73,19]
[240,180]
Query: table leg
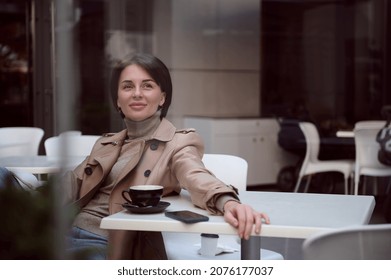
[251,249]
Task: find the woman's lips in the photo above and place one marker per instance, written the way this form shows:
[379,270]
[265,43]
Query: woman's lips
[137,106]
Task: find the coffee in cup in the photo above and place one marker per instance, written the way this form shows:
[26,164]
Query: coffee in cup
[143,195]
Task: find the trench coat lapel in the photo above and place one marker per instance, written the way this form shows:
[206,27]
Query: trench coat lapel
[165,132]
[104,157]
[101,160]
[136,152]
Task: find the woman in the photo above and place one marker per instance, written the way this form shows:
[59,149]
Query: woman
[149,151]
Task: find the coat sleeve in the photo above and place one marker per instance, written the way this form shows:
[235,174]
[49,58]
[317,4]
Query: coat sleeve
[186,164]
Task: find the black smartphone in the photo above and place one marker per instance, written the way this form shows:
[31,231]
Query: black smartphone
[187,216]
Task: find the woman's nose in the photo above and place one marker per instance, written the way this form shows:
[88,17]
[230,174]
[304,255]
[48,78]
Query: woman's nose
[137,92]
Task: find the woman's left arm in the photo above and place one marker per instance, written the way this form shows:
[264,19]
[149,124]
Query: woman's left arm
[207,191]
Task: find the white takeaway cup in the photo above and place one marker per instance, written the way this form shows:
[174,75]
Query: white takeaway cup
[208,244]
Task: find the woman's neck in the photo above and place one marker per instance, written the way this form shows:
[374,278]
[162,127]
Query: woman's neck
[144,128]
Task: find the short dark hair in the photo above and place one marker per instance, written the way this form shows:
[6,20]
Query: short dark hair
[154,67]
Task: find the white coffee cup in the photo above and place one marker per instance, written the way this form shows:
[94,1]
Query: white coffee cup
[209,244]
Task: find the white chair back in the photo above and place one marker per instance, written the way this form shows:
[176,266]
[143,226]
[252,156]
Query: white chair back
[232,170]
[70,133]
[311,163]
[367,149]
[369,124]
[366,145]
[312,141]
[20,141]
[70,145]
[367,242]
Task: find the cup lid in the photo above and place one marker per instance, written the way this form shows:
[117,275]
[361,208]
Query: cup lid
[210,235]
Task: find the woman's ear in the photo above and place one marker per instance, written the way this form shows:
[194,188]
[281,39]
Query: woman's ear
[119,109]
[163,99]
[120,112]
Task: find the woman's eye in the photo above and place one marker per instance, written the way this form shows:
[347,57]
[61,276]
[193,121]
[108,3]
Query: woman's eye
[127,86]
[147,86]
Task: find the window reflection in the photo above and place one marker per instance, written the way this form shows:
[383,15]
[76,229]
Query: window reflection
[326,60]
[15,92]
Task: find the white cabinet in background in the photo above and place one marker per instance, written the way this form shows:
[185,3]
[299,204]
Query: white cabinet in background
[254,139]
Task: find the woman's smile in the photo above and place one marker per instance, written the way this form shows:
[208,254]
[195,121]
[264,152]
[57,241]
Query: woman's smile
[138,106]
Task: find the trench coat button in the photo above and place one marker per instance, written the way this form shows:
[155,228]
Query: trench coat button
[88,170]
[154,146]
[147,173]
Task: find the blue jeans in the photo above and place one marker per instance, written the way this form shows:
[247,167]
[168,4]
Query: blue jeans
[82,244]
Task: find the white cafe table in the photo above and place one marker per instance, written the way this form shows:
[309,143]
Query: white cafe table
[292,215]
[40,164]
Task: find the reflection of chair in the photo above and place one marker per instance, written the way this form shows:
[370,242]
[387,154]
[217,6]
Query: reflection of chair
[312,164]
[367,163]
[20,141]
[70,145]
[231,170]
[367,242]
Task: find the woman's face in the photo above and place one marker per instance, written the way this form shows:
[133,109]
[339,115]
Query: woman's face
[139,96]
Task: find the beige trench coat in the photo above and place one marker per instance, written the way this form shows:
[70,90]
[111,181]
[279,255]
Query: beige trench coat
[171,158]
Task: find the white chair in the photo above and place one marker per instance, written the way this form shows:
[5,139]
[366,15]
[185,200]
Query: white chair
[228,168]
[366,242]
[369,124]
[70,145]
[367,163]
[311,163]
[20,141]
[70,149]
[70,133]
[180,246]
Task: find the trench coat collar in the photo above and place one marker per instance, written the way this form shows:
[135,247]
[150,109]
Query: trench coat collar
[165,133]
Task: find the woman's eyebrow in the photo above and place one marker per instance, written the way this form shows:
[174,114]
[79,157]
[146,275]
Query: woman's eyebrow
[143,81]
[126,81]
